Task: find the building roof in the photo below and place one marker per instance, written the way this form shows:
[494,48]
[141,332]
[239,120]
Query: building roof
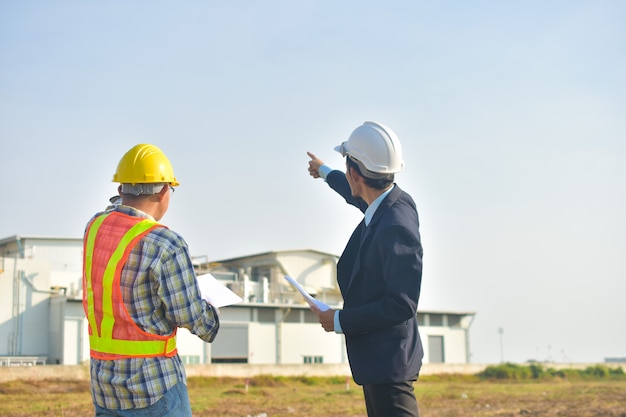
[15,238]
[275,252]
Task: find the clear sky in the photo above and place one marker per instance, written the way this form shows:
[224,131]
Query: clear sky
[512,116]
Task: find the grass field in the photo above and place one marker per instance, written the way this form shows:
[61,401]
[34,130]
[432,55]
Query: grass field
[450,396]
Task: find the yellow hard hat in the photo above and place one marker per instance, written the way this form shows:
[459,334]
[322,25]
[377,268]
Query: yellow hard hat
[144,164]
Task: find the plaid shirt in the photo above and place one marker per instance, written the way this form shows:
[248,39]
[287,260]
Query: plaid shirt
[161,293]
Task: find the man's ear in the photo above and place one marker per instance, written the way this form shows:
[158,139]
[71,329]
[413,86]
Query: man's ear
[354,174]
[161,194]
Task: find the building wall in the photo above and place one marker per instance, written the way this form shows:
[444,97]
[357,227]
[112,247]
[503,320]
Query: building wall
[315,272]
[191,348]
[310,269]
[262,343]
[56,330]
[63,255]
[65,258]
[310,340]
[454,341]
[24,284]
[76,334]
[6,307]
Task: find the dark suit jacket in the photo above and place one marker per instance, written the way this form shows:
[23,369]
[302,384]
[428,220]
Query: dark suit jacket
[380,275]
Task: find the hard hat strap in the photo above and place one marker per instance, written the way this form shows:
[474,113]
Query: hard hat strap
[365,172]
[143,188]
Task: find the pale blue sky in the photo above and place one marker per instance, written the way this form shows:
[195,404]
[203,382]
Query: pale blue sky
[511,115]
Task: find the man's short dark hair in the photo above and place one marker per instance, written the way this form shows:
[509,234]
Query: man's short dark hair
[376,183]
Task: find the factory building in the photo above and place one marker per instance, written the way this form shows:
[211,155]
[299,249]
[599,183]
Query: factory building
[42,318]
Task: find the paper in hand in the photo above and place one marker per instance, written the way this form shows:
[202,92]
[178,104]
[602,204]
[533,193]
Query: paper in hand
[310,300]
[215,292]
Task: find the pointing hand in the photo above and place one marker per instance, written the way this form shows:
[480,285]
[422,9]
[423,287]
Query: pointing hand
[314,165]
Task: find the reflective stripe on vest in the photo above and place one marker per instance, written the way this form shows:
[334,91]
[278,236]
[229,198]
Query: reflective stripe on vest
[116,234]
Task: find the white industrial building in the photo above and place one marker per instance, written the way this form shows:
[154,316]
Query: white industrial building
[42,318]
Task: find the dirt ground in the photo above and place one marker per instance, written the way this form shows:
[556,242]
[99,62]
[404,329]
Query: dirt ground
[595,399]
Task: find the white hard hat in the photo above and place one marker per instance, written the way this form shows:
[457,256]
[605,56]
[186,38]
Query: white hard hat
[376,146]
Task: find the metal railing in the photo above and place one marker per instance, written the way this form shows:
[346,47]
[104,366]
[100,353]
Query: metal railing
[22,360]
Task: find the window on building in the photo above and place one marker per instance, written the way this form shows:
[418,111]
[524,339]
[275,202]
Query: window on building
[310,317]
[421,319]
[313,359]
[454,320]
[229,360]
[435,349]
[435,320]
[190,359]
[233,344]
[225,275]
[257,273]
[292,316]
[265,315]
[242,315]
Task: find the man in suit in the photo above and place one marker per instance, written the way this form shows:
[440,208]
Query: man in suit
[379,273]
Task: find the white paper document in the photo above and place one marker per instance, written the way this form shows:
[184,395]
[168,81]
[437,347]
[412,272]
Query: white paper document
[215,292]
[310,300]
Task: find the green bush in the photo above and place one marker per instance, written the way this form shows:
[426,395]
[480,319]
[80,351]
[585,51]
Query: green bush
[537,371]
[506,371]
[597,371]
[569,374]
[601,371]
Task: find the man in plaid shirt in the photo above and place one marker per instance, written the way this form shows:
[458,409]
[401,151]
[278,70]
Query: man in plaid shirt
[139,287]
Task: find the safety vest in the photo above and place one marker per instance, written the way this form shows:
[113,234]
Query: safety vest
[112,332]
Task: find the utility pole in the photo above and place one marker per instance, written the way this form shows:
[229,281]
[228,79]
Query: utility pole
[501,333]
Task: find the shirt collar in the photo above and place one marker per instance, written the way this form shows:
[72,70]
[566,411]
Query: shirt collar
[371,209]
[131,211]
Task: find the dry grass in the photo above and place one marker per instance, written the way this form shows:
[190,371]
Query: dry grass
[281,397]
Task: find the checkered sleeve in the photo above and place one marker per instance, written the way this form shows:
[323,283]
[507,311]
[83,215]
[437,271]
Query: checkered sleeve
[179,291]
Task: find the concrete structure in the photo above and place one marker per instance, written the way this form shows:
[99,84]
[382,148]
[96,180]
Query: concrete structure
[42,317]
[219,370]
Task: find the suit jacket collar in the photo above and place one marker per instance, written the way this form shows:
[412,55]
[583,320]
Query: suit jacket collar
[391,198]
[362,234]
